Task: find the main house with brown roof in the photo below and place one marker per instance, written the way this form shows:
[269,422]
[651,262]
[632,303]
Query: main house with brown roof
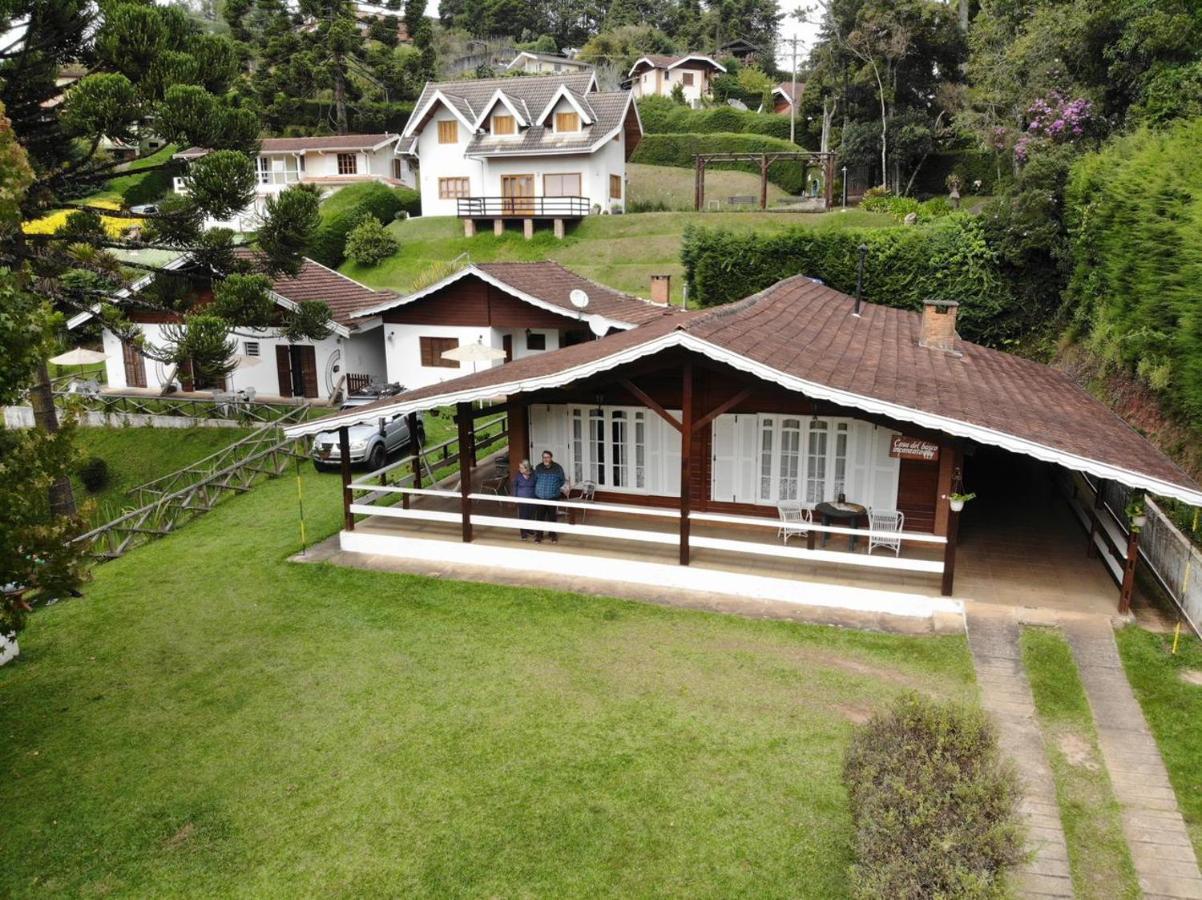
[798,447]
[269,365]
[656,75]
[329,162]
[552,148]
[517,309]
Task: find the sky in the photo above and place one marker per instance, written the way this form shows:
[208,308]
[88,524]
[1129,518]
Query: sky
[790,26]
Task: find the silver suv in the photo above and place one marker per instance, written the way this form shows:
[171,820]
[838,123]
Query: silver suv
[370,442]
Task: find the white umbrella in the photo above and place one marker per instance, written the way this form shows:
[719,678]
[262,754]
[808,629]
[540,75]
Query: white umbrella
[474,353]
[79,357]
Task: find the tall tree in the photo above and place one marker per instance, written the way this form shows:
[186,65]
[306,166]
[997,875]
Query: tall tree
[143,63]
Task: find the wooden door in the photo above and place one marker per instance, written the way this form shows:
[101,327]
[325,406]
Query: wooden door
[507,346]
[135,366]
[518,191]
[283,367]
[304,360]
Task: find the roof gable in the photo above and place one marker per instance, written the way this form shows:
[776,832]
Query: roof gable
[661,61]
[517,109]
[563,92]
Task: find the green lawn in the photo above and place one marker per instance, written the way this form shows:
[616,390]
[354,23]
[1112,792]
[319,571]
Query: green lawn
[1098,855]
[622,252]
[1173,708]
[211,720]
[138,455]
[674,186]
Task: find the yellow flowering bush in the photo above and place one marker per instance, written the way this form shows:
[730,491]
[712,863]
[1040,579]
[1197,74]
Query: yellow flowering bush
[52,222]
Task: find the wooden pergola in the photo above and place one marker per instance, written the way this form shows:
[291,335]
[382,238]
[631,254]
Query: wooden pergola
[825,161]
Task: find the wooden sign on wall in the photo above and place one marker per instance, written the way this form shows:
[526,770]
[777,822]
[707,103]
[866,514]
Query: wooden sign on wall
[902,447]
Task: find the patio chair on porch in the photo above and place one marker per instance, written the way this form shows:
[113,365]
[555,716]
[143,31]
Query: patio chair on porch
[884,529]
[587,492]
[794,520]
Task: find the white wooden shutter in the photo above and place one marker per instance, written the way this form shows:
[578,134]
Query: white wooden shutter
[747,458]
[884,470]
[859,450]
[669,442]
[549,431]
[722,459]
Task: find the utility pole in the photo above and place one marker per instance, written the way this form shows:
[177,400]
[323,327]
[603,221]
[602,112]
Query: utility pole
[793,95]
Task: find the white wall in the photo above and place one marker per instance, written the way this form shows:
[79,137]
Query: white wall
[360,354]
[444,161]
[402,347]
[647,85]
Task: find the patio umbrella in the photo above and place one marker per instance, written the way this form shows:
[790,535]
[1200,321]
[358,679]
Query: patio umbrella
[78,357]
[474,353]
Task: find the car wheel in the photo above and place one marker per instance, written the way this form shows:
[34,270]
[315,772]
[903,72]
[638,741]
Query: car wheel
[377,458]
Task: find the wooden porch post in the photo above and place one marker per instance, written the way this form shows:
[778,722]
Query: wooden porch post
[686,458]
[344,465]
[415,446]
[1098,502]
[949,552]
[1129,572]
[463,418]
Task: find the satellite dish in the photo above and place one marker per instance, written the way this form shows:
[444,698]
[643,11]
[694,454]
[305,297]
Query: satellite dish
[598,325]
[579,298]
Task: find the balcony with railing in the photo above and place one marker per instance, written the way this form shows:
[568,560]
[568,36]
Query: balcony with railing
[522,207]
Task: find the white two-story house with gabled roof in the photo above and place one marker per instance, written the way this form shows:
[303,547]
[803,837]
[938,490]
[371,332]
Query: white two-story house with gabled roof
[656,75]
[533,148]
[329,162]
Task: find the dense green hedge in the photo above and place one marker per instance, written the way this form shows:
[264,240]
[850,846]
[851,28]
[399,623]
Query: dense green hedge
[679,150]
[947,259]
[661,115]
[1134,212]
[345,210]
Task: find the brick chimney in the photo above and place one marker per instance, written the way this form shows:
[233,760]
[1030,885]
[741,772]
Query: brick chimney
[661,288]
[939,325]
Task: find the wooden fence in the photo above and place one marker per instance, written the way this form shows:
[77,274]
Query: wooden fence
[232,409]
[175,499]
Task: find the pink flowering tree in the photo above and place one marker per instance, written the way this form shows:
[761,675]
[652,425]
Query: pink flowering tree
[1055,119]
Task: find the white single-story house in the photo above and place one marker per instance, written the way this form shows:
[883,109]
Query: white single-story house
[518,309]
[330,162]
[529,63]
[521,148]
[656,76]
[351,357]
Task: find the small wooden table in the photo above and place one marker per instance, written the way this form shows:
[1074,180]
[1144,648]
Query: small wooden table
[841,514]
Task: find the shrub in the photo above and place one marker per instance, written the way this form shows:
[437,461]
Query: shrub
[934,806]
[369,243]
[660,115]
[878,200]
[946,259]
[679,150]
[346,209]
[95,474]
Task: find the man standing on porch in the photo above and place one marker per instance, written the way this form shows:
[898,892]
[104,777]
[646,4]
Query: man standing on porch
[549,480]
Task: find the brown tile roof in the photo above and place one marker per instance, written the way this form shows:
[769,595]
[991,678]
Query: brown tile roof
[551,284]
[802,334]
[608,110]
[328,143]
[344,296]
[666,61]
[473,93]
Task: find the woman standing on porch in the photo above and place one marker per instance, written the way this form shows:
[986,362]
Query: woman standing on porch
[523,486]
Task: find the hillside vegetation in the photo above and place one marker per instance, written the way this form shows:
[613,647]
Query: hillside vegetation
[622,252]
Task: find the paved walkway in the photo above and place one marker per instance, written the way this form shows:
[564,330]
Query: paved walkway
[1006,695]
[1160,846]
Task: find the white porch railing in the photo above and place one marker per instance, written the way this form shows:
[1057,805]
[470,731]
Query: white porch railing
[369,504]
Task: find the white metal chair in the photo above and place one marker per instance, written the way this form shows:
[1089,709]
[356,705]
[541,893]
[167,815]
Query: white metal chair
[884,529]
[588,491]
[794,520]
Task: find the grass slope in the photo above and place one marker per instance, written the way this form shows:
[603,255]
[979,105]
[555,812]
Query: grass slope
[622,252]
[211,720]
[1098,856]
[673,186]
[138,455]
[1173,709]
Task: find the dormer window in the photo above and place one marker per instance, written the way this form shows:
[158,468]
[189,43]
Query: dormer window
[503,125]
[567,121]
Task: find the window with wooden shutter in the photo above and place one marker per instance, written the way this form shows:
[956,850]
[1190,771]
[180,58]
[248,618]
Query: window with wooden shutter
[687,78]
[615,187]
[448,131]
[432,349]
[502,125]
[450,188]
[562,185]
[567,121]
[348,164]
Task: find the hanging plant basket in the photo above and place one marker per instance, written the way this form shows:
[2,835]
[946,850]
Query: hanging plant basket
[957,501]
